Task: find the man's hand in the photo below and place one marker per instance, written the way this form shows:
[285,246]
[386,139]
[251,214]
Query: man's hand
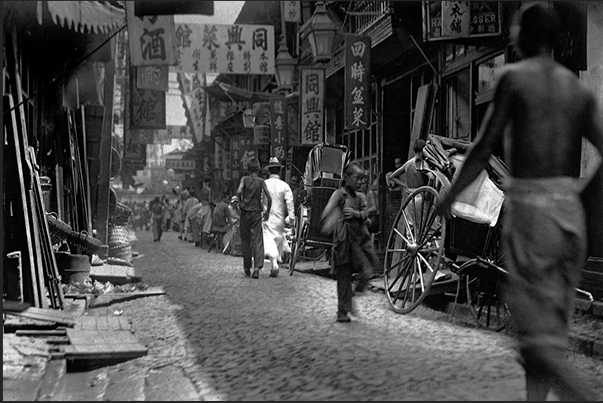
[349,212]
[443,206]
[266,215]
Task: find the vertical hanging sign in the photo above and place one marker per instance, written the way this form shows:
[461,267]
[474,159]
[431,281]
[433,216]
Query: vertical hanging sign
[312,81]
[357,82]
[278,127]
[152,39]
[147,107]
[291,11]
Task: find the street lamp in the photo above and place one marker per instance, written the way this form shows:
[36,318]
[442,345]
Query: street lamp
[321,34]
[249,118]
[284,66]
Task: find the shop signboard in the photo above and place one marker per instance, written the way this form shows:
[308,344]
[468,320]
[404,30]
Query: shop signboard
[180,164]
[312,82]
[246,150]
[446,20]
[172,133]
[147,107]
[152,39]
[357,82]
[261,135]
[291,11]
[278,127]
[228,49]
[152,78]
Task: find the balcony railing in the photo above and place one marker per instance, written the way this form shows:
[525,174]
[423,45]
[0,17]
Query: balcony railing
[364,14]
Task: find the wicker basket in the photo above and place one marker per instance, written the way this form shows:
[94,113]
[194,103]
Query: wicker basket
[121,251]
[59,230]
[118,234]
[83,244]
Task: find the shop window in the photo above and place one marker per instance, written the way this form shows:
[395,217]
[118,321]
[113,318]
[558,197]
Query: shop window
[487,76]
[458,105]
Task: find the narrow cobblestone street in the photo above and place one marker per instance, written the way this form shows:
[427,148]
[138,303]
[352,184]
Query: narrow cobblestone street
[219,335]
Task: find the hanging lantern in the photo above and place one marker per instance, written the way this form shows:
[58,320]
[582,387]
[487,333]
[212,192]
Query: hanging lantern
[321,34]
[248,118]
[284,67]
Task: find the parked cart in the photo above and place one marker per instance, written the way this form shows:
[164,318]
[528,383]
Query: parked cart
[322,176]
[427,255]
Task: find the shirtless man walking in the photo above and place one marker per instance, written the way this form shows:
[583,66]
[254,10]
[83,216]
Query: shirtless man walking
[544,229]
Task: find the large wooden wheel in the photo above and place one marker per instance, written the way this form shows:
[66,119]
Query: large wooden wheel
[414,251]
[483,296]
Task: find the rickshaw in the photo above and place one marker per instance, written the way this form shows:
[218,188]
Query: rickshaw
[466,248]
[321,177]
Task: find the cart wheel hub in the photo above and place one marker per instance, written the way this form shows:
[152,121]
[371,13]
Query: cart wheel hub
[412,248]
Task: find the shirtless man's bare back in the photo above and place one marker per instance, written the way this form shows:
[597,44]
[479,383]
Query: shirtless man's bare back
[544,231]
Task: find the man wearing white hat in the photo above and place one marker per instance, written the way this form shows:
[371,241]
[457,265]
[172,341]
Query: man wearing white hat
[282,213]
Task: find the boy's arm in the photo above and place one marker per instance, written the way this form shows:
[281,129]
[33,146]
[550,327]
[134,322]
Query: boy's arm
[331,204]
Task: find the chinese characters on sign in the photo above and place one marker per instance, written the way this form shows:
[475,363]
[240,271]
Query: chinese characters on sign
[461,19]
[183,165]
[147,107]
[357,82]
[230,49]
[152,78]
[246,151]
[152,39]
[312,104]
[278,127]
[291,11]
[165,136]
[194,97]
[261,135]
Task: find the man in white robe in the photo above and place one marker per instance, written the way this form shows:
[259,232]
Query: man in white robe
[282,213]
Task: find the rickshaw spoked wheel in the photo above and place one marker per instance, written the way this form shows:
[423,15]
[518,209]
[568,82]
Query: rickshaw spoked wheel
[485,303]
[296,245]
[414,250]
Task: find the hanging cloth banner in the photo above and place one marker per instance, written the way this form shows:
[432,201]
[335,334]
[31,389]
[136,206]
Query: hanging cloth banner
[229,49]
[357,82]
[195,99]
[152,39]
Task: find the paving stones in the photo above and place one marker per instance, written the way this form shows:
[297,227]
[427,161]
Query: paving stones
[223,336]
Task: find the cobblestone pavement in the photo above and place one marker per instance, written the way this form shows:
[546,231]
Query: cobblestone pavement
[219,335]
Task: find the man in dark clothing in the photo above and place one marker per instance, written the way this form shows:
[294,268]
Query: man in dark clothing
[250,193]
[548,111]
[221,221]
[157,219]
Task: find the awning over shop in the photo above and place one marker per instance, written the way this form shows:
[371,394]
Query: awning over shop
[82,16]
[227,93]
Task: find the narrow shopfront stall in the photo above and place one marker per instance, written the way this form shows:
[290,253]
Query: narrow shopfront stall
[57,111]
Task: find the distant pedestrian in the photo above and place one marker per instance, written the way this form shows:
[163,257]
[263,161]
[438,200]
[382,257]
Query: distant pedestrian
[548,111]
[252,240]
[353,249]
[282,213]
[221,221]
[181,213]
[206,197]
[188,204]
[194,221]
[157,214]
